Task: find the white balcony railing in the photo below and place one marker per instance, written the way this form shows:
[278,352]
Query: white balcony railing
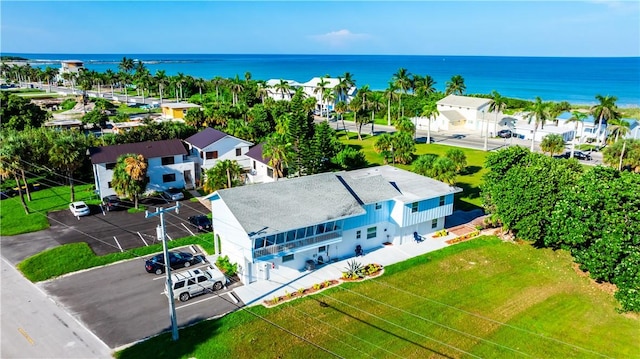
[289,246]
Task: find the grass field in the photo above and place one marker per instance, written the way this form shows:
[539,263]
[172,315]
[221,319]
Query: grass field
[469,181]
[13,219]
[482,298]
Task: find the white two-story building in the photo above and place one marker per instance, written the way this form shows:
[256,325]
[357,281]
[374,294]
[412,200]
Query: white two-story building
[209,146]
[281,225]
[260,170]
[167,165]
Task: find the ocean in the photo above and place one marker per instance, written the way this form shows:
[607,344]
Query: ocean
[576,80]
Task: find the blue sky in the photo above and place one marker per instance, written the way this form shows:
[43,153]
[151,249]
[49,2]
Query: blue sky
[503,28]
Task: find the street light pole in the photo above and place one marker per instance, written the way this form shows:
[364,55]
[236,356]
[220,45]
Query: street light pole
[163,237]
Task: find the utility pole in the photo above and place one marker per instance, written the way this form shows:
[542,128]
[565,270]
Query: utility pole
[163,237]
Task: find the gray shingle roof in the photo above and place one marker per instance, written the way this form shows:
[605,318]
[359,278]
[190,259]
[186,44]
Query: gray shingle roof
[150,149]
[288,204]
[298,202]
[206,137]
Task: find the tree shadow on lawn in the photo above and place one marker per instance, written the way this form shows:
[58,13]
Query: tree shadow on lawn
[468,192]
[470,170]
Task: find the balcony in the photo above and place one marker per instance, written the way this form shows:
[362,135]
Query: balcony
[291,247]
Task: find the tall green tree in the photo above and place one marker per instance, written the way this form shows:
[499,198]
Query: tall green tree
[11,150]
[130,177]
[623,154]
[390,95]
[539,114]
[67,154]
[430,110]
[384,145]
[577,117]
[617,128]
[225,174]
[18,113]
[456,86]
[458,157]
[402,80]
[552,143]
[497,105]
[277,149]
[605,110]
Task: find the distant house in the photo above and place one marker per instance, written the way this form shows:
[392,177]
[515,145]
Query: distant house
[209,146]
[260,170]
[64,124]
[281,225]
[167,164]
[310,89]
[177,111]
[465,112]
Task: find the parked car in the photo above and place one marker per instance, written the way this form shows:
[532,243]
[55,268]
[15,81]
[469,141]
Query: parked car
[156,263]
[195,282]
[505,133]
[173,194]
[581,155]
[79,209]
[202,222]
[109,203]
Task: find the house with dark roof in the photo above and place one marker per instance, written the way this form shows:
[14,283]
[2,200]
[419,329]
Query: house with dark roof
[209,146]
[260,170]
[282,225]
[167,164]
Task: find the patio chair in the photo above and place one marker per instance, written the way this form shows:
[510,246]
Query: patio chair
[359,251]
[418,238]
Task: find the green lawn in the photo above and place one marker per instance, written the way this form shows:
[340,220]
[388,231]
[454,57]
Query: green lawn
[482,298]
[469,181]
[13,219]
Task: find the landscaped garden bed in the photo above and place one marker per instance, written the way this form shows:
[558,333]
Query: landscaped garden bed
[353,272]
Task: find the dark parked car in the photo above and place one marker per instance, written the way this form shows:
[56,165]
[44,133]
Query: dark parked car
[109,203]
[505,133]
[176,259]
[581,155]
[202,222]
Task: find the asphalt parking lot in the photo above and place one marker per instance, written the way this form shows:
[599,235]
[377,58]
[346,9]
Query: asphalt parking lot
[109,231]
[122,303]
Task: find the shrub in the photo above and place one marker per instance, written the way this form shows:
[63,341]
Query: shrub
[300,291]
[350,158]
[68,104]
[317,286]
[228,268]
[353,270]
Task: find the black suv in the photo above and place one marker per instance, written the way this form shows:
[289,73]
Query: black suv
[581,156]
[109,203]
[177,260]
[201,222]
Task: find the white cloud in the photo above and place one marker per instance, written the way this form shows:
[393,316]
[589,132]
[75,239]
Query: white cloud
[340,38]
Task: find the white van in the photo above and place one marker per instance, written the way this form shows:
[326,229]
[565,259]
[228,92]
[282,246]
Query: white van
[196,281]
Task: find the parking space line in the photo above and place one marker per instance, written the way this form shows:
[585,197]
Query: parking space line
[24,334]
[199,301]
[187,228]
[145,242]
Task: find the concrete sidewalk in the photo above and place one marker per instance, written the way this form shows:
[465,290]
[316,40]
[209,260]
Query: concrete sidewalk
[288,280]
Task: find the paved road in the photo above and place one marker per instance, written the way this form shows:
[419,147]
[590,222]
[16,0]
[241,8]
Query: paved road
[33,326]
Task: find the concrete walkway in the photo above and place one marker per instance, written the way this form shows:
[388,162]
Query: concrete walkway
[283,279]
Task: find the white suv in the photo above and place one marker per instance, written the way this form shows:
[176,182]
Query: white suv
[196,281]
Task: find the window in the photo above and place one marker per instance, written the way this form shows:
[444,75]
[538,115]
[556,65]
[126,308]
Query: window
[372,232]
[238,151]
[202,279]
[171,177]
[441,200]
[300,233]
[414,207]
[378,206]
[328,227]
[111,165]
[191,281]
[291,236]
[271,240]
[322,249]
[259,243]
[212,155]
[168,160]
[310,231]
[109,184]
[270,172]
[434,223]
[320,228]
[358,234]
[254,165]
[179,285]
[280,238]
[287,258]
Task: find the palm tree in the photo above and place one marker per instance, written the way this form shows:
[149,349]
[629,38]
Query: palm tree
[110,78]
[278,149]
[262,90]
[66,154]
[162,81]
[341,108]
[375,104]
[497,105]
[552,143]
[456,86]
[179,81]
[391,95]
[424,86]
[50,73]
[200,83]
[217,82]
[125,67]
[10,154]
[130,176]
[321,89]
[355,106]
[384,146]
[557,108]
[283,87]
[430,110]
[225,174]
[236,88]
[617,128]
[604,111]
[346,83]
[577,117]
[539,112]
[403,82]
